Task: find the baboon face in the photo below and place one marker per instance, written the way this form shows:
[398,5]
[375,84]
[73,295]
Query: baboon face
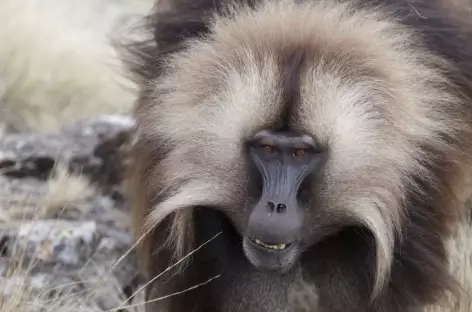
[288,164]
[282,167]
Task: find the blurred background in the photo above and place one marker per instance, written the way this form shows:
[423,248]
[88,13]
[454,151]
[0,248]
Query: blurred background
[64,221]
[56,61]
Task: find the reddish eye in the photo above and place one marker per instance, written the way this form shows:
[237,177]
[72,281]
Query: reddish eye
[268,149]
[300,153]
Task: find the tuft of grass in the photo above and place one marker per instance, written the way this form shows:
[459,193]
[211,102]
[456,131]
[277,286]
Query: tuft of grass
[63,189]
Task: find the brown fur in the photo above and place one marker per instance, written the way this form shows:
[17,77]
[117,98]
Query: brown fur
[389,96]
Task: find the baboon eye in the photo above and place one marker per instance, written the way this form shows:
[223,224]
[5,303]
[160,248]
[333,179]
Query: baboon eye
[268,149]
[299,152]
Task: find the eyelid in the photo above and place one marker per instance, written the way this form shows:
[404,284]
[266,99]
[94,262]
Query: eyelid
[267,148]
[264,142]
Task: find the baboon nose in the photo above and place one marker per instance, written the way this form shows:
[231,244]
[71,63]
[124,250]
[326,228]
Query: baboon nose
[279,207]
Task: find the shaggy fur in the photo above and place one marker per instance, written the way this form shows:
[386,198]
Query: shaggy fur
[57,62]
[384,86]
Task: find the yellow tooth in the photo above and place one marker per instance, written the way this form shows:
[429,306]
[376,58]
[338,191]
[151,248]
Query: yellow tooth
[275,247]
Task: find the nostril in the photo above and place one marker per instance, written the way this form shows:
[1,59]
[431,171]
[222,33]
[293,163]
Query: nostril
[270,206]
[281,208]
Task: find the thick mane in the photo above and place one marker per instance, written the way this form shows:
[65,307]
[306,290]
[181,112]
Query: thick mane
[366,83]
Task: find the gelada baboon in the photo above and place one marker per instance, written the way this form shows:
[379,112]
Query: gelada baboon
[323,141]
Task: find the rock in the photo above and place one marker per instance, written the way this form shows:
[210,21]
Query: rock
[57,235]
[38,283]
[89,146]
[52,241]
[69,252]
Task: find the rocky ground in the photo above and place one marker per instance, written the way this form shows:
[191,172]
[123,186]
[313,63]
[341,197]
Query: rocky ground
[64,223]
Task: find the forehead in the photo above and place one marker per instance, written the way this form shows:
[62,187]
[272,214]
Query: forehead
[321,73]
[236,91]
[308,91]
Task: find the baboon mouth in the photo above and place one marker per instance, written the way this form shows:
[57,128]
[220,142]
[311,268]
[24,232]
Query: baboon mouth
[269,256]
[277,247]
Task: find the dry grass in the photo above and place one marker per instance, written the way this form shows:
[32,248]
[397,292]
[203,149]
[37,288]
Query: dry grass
[19,290]
[19,294]
[64,188]
[56,61]
[61,190]
[24,299]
